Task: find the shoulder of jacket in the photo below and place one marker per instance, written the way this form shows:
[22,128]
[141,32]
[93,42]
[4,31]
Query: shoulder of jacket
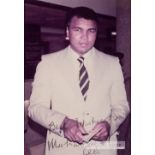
[106,56]
[52,56]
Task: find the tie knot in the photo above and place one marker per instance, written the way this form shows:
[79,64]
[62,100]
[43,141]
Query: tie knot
[81,59]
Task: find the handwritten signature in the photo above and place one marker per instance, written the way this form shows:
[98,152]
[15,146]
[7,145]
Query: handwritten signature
[53,144]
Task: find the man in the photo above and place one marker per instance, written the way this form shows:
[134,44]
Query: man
[78,93]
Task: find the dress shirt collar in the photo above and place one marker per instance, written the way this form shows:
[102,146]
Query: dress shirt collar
[75,55]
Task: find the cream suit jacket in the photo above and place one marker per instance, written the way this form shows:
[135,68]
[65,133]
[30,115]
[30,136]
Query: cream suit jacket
[56,94]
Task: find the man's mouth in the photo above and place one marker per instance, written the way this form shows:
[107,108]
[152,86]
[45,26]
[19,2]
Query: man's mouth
[84,44]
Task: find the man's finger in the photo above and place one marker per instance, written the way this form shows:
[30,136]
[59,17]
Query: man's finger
[79,137]
[82,129]
[101,133]
[69,137]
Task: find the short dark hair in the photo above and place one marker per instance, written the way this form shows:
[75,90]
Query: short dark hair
[81,12]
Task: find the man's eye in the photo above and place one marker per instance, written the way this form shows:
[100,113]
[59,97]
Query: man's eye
[92,30]
[77,29]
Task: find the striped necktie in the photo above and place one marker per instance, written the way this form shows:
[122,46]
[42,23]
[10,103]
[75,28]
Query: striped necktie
[83,78]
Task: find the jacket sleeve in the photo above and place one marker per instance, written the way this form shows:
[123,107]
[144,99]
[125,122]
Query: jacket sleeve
[40,101]
[119,104]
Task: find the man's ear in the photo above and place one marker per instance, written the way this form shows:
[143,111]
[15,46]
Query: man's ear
[67,34]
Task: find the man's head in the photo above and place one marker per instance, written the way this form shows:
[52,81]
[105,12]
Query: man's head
[81,29]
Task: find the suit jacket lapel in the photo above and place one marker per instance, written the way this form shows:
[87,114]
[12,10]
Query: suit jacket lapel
[97,73]
[68,71]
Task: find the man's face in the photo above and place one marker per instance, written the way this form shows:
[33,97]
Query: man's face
[82,34]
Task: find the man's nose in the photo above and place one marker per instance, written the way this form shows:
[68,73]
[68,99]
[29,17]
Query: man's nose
[84,36]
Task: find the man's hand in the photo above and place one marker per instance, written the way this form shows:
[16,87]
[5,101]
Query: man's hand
[73,130]
[103,131]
